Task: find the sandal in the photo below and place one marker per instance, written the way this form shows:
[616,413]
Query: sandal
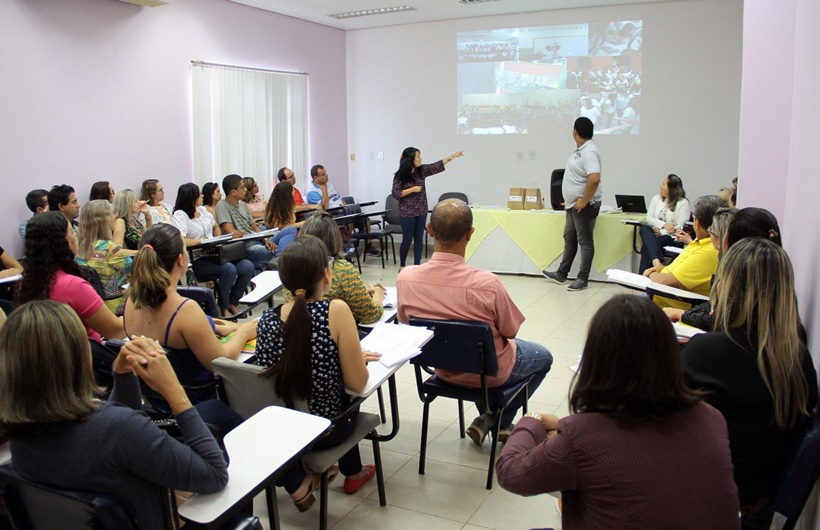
[308,499]
[352,485]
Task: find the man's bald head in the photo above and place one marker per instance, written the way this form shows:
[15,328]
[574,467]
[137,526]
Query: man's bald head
[451,220]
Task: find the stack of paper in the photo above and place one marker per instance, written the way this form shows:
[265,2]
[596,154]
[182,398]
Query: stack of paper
[396,342]
[685,332]
[628,279]
[391,298]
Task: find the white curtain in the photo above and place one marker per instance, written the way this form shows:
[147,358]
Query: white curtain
[249,122]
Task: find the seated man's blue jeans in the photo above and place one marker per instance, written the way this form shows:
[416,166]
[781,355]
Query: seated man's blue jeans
[259,255]
[530,358]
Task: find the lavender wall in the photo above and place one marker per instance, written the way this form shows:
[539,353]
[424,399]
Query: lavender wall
[100,90]
[779,143]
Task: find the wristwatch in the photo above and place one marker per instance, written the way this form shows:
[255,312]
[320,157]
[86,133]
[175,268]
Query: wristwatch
[534,416]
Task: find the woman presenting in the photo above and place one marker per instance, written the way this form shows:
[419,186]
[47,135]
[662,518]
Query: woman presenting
[409,190]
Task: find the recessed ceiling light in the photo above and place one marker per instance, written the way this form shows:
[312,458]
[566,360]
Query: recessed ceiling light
[368,12]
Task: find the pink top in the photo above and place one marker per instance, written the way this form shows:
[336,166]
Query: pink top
[447,288]
[79,296]
[669,473]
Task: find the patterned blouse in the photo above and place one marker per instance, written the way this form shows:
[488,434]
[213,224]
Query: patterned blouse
[348,286]
[415,204]
[162,213]
[112,267]
[328,395]
[132,235]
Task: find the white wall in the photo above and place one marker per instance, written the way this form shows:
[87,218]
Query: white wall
[100,90]
[402,91]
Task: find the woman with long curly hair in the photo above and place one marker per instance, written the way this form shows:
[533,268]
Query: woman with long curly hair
[53,274]
[409,189]
[281,213]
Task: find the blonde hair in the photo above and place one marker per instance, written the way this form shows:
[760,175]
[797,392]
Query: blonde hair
[123,205]
[44,381]
[755,293]
[94,218]
[250,184]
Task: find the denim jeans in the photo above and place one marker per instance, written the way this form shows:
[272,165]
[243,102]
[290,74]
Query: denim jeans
[233,278]
[259,255]
[652,246]
[530,358]
[578,233]
[412,229]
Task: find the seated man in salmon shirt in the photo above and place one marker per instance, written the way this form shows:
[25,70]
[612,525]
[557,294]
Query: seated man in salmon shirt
[447,288]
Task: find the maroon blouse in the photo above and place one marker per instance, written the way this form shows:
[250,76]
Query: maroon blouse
[415,204]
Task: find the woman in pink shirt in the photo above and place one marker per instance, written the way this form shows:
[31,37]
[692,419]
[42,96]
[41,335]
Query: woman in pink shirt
[52,273]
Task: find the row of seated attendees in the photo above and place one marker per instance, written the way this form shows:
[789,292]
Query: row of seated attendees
[634,385]
[155,309]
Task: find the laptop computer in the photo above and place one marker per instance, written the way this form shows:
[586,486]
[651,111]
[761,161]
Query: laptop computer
[631,203]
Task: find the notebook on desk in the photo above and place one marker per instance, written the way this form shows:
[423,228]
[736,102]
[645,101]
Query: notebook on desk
[631,203]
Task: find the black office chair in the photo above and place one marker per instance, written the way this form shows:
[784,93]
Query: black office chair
[462,347]
[556,194]
[447,195]
[392,221]
[203,296]
[800,476]
[96,283]
[33,506]
[360,234]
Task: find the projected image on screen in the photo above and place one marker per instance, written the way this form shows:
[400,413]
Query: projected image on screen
[527,80]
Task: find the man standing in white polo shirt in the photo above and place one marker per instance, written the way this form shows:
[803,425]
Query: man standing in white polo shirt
[582,196]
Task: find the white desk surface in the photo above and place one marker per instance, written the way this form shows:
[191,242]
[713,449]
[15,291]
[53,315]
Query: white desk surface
[258,448]
[378,374]
[265,283]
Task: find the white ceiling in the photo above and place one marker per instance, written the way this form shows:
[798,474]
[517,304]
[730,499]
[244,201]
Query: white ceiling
[427,10]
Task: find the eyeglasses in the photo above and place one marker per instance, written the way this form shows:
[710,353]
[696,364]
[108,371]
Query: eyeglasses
[713,234]
[330,261]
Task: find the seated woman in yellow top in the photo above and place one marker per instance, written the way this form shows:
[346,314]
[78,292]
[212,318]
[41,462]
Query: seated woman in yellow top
[365,302]
[98,250]
[693,269]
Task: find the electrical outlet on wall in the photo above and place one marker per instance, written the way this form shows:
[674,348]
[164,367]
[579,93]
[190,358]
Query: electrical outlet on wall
[532,155]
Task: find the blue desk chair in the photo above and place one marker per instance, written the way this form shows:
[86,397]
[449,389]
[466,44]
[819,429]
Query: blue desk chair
[33,506]
[800,475]
[462,347]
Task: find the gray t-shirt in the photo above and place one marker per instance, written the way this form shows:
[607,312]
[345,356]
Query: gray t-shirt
[238,215]
[583,162]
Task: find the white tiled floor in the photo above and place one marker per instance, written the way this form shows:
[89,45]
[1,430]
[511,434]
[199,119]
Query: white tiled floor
[451,494]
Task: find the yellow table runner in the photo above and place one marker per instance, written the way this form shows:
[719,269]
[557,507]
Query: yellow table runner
[540,235]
